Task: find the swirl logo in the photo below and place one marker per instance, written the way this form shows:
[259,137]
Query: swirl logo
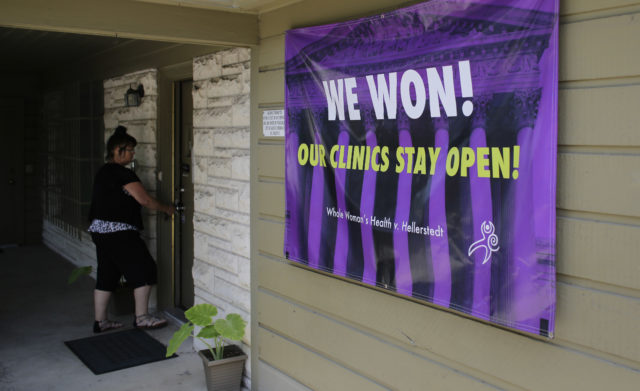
[489,241]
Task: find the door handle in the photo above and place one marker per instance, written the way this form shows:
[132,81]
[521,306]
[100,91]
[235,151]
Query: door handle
[179,206]
[180,209]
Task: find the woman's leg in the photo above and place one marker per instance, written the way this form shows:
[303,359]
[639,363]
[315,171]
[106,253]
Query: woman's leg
[101,300]
[141,272]
[143,319]
[141,296]
[106,280]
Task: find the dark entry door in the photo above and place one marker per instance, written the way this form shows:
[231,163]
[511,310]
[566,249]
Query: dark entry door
[183,136]
[12,171]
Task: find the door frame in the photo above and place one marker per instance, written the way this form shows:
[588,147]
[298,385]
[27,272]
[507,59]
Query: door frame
[183,250]
[167,77]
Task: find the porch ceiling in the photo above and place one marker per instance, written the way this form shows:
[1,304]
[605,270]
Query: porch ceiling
[32,51]
[57,57]
[109,38]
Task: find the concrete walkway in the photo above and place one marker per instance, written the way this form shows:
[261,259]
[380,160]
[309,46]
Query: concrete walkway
[39,311]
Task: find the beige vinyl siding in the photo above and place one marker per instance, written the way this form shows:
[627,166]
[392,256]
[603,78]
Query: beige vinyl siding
[328,333]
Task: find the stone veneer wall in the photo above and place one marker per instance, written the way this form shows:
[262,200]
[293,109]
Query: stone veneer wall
[141,123]
[221,179]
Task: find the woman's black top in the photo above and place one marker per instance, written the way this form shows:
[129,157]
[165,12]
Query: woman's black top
[110,201]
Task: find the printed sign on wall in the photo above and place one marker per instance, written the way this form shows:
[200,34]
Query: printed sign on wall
[273,123]
[421,155]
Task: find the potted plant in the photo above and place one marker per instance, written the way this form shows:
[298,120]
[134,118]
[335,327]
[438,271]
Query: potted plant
[223,365]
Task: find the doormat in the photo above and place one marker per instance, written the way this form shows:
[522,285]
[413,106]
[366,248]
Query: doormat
[119,350]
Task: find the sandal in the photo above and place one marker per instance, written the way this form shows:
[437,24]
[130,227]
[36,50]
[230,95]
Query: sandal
[147,321]
[100,326]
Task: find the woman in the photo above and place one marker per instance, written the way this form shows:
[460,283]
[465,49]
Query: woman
[115,228]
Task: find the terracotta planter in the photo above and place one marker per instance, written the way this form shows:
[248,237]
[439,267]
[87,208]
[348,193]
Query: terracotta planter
[224,374]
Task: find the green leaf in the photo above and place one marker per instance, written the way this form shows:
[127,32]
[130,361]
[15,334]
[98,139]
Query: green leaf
[178,338]
[201,314]
[79,272]
[208,332]
[232,327]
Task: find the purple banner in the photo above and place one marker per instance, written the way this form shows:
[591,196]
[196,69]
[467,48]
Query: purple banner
[421,155]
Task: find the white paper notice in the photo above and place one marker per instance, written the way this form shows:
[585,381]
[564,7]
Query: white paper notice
[273,123]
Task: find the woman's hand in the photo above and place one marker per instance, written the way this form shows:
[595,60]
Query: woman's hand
[169,210]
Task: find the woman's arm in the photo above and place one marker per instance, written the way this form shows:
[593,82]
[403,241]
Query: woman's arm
[140,194]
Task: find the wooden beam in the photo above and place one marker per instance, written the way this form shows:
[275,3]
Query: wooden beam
[132,19]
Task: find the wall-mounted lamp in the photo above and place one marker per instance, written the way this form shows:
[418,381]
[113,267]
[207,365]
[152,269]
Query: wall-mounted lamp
[133,97]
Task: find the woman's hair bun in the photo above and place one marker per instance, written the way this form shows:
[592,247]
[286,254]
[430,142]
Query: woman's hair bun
[119,139]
